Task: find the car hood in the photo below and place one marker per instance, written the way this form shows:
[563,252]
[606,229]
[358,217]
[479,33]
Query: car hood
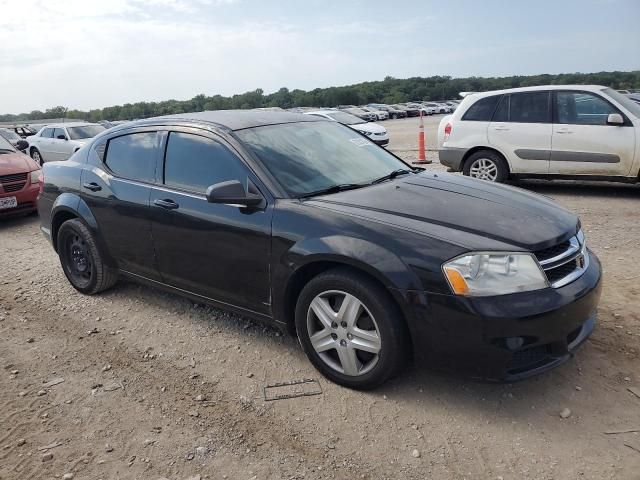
[475,214]
[368,127]
[11,163]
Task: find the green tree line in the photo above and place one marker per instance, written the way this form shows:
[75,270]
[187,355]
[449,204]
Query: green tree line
[389,90]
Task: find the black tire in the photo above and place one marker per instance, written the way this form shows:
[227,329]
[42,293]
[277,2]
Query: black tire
[502,168]
[385,316]
[37,158]
[81,259]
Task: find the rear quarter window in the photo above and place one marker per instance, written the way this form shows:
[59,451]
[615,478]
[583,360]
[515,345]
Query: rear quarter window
[482,110]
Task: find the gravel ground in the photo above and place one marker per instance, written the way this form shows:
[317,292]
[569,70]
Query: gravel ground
[152,385]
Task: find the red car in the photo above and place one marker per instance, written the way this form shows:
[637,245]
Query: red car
[20,180]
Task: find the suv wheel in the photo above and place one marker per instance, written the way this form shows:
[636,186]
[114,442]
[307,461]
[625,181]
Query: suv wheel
[81,260]
[486,165]
[350,329]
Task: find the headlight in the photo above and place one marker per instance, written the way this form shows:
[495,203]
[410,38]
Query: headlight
[35,176]
[484,274]
[368,134]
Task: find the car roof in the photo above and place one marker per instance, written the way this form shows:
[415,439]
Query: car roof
[234,119]
[589,88]
[62,125]
[321,112]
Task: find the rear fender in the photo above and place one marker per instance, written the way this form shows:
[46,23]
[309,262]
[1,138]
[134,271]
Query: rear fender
[71,205]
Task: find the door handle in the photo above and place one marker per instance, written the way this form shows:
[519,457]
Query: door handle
[93,186]
[167,203]
[501,129]
[563,132]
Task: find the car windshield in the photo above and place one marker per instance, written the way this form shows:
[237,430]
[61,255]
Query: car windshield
[10,135]
[346,118]
[85,131]
[625,101]
[5,145]
[309,157]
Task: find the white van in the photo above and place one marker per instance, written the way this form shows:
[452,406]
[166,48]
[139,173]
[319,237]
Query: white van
[582,132]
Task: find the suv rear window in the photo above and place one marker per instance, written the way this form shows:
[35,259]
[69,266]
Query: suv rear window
[133,156]
[482,110]
[530,107]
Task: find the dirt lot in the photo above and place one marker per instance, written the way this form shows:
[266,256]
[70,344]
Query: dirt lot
[156,386]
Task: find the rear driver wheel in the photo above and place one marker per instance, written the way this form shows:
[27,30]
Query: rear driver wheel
[350,329]
[486,165]
[81,260]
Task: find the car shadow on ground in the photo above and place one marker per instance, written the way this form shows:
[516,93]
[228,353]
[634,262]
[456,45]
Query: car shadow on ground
[18,221]
[417,387]
[590,189]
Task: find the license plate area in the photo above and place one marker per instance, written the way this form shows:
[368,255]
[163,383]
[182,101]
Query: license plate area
[8,202]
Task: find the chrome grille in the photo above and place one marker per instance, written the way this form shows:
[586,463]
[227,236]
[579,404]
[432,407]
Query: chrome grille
[565,262]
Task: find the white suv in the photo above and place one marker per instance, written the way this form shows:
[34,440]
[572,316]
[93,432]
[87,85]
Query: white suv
[560,131]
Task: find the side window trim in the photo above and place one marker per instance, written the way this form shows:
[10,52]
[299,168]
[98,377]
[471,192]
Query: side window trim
[627,122]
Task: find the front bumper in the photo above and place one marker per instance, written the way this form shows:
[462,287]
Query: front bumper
[25,197]
[505,338]
[382,142]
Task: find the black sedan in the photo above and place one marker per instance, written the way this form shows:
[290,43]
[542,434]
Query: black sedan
[301,222]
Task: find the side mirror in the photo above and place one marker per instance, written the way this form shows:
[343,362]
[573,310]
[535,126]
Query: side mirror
[22,145]
[61,137]
[615,119]
[232,192]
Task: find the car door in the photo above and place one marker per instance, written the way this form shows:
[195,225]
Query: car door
[59,145]
[521,129]
[116,186]
[583,143]
[44,144]
[219,251]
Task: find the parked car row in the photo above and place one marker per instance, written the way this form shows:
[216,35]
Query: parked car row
[58,141]
[582,132]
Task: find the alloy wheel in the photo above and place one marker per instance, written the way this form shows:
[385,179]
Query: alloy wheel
[484,169]
[343,333]
[36,157]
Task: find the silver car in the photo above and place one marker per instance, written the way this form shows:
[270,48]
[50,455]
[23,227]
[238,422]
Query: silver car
[57,142]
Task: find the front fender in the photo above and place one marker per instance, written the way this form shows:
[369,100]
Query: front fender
[293,267]
[379,262]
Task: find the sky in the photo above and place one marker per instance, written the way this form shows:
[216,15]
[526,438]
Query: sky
[86,54]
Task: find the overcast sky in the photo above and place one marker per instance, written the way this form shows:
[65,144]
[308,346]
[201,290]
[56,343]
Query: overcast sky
[94,53]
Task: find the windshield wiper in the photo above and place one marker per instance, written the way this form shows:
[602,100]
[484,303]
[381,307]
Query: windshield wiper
[392,175]
[334,189]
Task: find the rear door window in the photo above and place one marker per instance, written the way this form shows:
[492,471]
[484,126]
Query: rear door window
[47,133]
[194,163]
[530,107]
[133,156]
[482,110]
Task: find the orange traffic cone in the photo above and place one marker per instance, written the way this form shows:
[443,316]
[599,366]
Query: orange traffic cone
[422,157]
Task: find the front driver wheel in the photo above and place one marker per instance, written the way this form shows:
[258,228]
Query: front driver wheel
[81,261]
[350,329]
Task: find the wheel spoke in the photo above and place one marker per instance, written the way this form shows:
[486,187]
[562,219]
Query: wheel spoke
[365,340]
[323,311]
[322,341]
[350,310]
[349,361]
